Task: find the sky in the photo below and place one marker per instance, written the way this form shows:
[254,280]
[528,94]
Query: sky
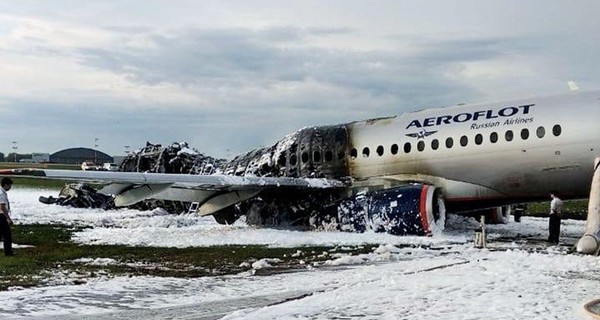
[230,76]
[437,277]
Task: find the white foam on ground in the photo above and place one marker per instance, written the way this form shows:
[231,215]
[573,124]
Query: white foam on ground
[454,281]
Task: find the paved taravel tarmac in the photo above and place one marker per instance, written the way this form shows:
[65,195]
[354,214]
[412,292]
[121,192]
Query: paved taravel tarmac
[200,311]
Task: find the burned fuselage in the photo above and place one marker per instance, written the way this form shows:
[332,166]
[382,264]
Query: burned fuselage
[313,152]
[327,152]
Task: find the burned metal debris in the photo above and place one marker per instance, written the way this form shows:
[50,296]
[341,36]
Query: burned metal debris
[80,195]
[315,152]
[176,158]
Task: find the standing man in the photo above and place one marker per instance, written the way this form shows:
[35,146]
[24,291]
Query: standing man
[5,220]
[555,212]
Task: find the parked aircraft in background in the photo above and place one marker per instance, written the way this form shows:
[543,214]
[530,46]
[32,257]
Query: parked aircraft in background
[393,174]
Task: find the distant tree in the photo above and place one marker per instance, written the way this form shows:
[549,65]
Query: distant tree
[13,157]
[2,157]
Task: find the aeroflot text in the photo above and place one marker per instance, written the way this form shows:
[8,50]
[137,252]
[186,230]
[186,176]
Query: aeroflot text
[478,115]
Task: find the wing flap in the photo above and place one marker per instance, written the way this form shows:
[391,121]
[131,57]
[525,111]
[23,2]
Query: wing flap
[225,200]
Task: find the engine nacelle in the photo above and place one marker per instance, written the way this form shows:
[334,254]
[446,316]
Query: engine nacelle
[408,210]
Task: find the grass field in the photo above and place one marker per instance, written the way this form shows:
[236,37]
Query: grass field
[11,165]
[572,209]
[53,252]
[39,183]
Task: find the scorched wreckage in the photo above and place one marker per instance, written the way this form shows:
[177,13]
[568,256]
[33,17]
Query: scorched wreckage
[316,156]
[396,174]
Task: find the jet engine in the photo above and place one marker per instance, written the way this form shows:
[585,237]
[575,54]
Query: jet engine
[408,210]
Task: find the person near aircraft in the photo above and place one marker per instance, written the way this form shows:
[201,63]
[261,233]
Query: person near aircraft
[5,220]
[555,214]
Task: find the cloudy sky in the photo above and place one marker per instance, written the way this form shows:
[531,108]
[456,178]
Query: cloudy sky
[229,76]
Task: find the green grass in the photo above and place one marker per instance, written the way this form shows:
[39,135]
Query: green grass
[53,251]
[20,182]
[61,166]
[36,182]
[572,209]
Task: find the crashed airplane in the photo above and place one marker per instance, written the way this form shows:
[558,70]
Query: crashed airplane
[397,174]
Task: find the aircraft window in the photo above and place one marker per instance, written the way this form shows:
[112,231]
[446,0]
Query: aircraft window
[464,140]
[281,160]
[493,137]
[407,147]
[421,145]
[478,139]
[508,135]
[449,142]
[380,150]
[293,160]
[353,153]
[304,157]
[394,149]
[328,155]
[556,130]
[435,144]
[316,156]
[524,134]
[541,132]
[366,152]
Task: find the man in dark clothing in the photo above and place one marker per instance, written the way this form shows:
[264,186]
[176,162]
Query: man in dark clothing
[555,213]
[5,220]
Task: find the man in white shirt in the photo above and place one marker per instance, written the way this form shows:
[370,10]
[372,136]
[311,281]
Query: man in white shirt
[5,220]
[555,213]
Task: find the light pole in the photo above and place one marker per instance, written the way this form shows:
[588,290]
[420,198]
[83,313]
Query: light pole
[15,147]
[95,151]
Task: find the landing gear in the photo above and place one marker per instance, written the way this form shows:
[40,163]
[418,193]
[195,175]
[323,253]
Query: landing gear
[590,242]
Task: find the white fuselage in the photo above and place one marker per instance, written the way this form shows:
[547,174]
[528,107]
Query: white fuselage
[553,147]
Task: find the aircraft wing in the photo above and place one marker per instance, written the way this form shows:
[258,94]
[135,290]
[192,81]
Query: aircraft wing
[210,192]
